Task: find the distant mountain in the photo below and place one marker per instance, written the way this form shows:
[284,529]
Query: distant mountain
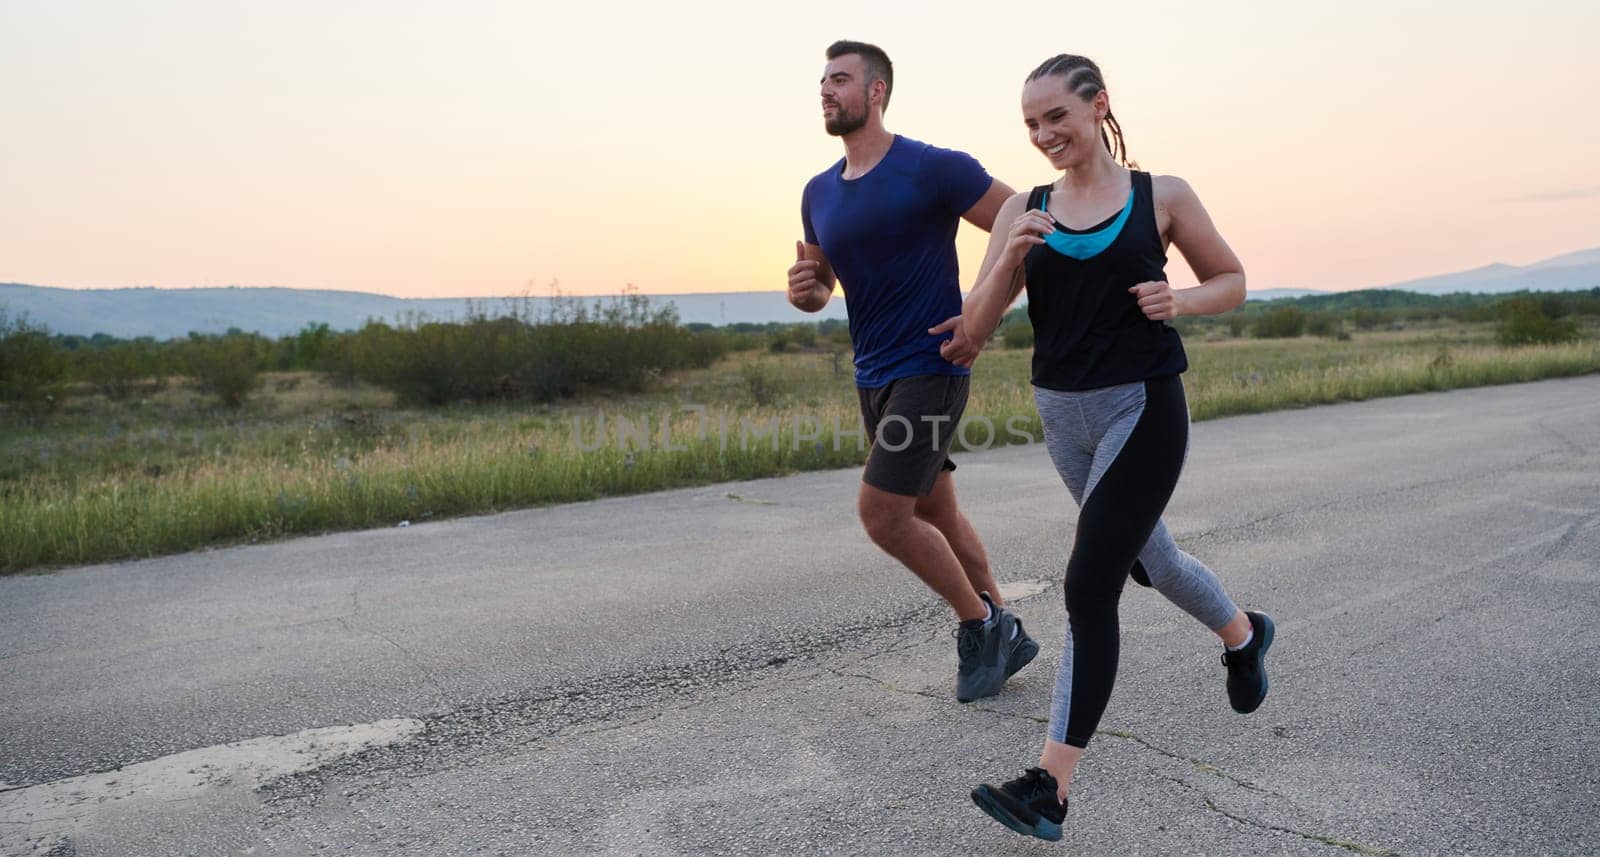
[1581,257]
[1275,294]
[168,313]
[1580,270]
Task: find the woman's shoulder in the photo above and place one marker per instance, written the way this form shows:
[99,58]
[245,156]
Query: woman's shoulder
[1015,204]
[1169,187]
[1170,193]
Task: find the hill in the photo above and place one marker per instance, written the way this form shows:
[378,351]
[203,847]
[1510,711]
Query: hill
[274,312]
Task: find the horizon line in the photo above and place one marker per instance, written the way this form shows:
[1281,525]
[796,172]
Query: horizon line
[563,294]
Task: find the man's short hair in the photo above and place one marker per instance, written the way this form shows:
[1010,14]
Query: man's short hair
[878,65]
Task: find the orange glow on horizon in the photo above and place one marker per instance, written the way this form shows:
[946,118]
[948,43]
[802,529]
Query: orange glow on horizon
[408,153]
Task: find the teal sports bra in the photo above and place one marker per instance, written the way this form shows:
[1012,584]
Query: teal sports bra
[1084,245]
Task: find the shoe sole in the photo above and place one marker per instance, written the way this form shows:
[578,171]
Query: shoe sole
[1268,631]
[1045,829]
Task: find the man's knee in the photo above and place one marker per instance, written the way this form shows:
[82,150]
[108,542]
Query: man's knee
[884,516]
[937,512]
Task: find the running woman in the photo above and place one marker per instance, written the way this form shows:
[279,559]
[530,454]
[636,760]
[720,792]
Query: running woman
[882,223]
[1090,248]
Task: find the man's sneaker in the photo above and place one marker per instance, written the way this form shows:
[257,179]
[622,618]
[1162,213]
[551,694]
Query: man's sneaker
[1247,674]
[1027,804]
[990,653]
[1024,649]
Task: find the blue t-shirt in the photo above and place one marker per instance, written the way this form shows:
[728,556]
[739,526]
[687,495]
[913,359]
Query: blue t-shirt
[891,238]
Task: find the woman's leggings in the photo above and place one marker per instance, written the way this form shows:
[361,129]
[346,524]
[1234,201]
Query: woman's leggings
[1119,449]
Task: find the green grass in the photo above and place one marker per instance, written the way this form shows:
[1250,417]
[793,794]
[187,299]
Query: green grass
[1242,377]
[102,480]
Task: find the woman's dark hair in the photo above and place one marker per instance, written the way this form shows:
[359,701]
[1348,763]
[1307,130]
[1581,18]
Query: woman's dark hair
[1084,80]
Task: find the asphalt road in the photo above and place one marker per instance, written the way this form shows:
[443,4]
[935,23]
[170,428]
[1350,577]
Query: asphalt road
[736,670]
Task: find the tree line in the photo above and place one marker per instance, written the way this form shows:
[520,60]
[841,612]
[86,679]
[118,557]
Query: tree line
[623,343]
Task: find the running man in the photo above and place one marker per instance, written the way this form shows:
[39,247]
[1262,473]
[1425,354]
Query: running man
[882,222]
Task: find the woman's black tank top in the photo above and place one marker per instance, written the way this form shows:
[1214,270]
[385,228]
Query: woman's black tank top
[1088,329]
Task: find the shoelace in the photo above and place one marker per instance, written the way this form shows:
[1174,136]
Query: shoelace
[967,641]
[1233,659]
[1032,785]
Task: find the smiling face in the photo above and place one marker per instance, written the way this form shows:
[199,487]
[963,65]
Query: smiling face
[847,95]
[1063,126]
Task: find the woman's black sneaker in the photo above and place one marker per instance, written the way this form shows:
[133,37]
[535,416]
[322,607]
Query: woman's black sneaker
[1027,804]
[1247,674]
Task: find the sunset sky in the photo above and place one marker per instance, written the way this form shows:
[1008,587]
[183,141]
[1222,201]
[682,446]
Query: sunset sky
[475,148]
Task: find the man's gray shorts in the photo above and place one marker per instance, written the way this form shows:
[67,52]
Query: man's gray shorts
[911,422]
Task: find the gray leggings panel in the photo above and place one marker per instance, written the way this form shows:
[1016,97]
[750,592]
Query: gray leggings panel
[1084,433]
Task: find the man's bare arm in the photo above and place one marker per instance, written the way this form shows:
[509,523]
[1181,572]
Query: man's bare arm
[983,212]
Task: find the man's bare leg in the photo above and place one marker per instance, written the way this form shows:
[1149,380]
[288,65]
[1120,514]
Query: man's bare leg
[892,523]
[941,510]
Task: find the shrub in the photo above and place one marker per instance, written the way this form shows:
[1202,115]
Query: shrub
[32,368]
[803,335]
[828,327]
[703,348]
[737,341]
[225,366]
[764,382]
[308,349]
[1324,324]
[784,338]
[1367,318]
[623,347]
[116,369]
[1281,323]
[1017,334]
[1525,321]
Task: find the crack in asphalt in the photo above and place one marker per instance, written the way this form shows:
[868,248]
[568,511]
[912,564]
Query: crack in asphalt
[540,743]
[1574,446]
[1199,765]
[521,721]
[909,644]
[411,767]
[1321,839]
[441,697]
[599,704]
[1561,544]
[508,721]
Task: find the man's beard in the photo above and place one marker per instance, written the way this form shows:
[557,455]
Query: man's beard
[844,122]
